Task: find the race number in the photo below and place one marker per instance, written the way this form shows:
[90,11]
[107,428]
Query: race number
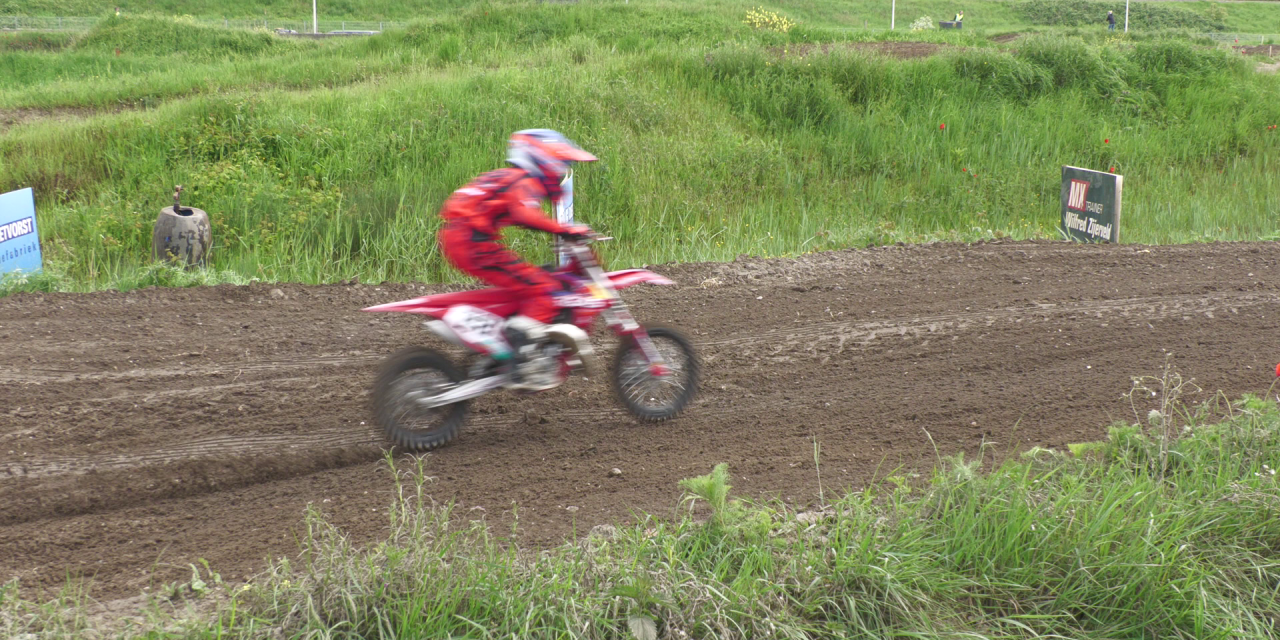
[478,328]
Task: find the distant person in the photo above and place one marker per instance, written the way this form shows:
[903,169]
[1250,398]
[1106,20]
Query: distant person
[960,16]
[117,12]
[1111,21]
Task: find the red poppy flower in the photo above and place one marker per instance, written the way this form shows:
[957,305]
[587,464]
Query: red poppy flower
[965,170]
[1107,141]
[942,126]
[1112,169]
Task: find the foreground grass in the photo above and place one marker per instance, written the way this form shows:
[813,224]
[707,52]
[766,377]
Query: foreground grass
[1164,531]
[327,161]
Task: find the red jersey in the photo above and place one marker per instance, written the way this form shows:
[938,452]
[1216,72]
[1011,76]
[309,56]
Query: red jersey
[498,199]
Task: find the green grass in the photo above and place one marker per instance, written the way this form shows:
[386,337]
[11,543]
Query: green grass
[1150,15]
[321,161]
[1248,17]
[34,41]
[1168,530]
[162,36]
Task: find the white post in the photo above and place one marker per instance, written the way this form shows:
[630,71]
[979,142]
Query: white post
[313,17]
[564,215]
[893,14]
[1126,16]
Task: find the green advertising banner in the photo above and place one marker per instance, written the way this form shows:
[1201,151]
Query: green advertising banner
[1091,205]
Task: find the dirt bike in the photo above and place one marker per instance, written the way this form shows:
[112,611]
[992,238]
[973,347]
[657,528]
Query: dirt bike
[420,397]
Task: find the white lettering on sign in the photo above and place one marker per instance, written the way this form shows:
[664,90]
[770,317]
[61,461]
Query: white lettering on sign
[1087,226]
[1076,197]
[1076,223]
[1098,230]
[17,229]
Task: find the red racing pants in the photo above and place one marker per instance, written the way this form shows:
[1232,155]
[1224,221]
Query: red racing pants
[476,254]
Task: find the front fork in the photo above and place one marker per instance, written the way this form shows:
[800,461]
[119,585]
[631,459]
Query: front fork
[619,318]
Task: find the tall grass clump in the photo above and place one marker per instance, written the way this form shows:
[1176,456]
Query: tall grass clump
[34,41]
[152,35]
[1163,530]
[1105,545]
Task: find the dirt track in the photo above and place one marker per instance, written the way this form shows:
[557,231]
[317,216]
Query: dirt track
[140,431]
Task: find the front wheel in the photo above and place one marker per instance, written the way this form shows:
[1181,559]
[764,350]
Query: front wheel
[406,376]
[649,397]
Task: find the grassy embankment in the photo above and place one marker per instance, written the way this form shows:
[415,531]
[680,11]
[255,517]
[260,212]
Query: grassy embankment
[1168,530]
[1244,17]
[327,160]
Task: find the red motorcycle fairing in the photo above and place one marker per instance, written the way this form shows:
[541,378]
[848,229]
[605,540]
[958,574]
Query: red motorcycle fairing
[502,302]
[496,301]
[629,277]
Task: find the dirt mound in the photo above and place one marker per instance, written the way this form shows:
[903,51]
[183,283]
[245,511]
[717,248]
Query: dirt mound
[1267,50]
[140,431]
[13,117]
[1006,37]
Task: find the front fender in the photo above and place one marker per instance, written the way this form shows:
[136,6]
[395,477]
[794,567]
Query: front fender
[629,277]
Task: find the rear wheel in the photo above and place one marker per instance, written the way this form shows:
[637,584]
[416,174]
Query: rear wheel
[407,376]
[654,398]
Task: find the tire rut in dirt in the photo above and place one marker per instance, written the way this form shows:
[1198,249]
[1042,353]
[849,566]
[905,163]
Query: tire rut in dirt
[142,430]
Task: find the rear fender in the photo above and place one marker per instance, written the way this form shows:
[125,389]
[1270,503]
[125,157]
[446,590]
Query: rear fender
[498,301]
[441,329]
[416,305]
[631,277]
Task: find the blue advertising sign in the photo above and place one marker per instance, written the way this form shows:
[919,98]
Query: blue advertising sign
[19,242]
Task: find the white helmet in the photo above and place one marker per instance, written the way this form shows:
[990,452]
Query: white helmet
[545,155]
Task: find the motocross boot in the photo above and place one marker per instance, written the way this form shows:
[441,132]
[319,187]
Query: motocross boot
[525,336]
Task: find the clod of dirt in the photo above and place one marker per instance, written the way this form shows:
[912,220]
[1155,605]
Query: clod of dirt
[277,294]
[812,517]
[604,531]
[615,472]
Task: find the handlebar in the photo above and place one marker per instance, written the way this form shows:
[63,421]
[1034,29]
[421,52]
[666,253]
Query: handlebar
[588,239]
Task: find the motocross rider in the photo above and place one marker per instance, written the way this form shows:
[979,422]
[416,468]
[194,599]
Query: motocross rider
[475,214]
